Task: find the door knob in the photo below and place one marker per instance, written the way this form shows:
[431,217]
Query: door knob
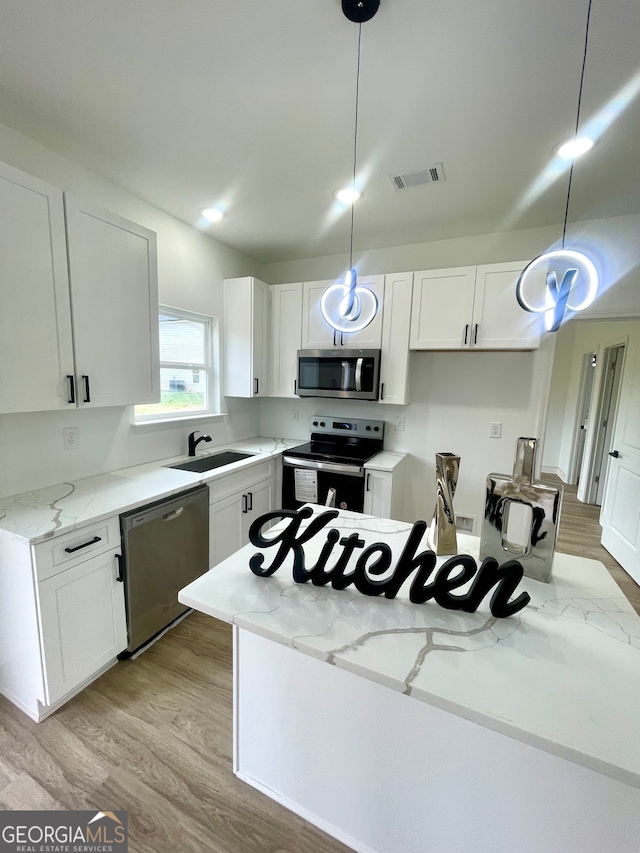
[615,454]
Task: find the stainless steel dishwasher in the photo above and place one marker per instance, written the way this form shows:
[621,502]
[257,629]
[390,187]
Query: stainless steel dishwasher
[165,546]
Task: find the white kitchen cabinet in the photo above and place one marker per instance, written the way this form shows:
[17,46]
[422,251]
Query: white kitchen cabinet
[286,337]
[385,485]
[36,350]
[318,334]
[246,337]
[114,301]
[396,326]
[235,502]
[471,308]
[87,289]
[62,614]
[83,623]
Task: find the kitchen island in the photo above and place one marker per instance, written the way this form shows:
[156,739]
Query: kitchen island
[411,728]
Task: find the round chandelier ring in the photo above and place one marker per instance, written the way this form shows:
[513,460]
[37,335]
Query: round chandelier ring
[571,256]
[368,304]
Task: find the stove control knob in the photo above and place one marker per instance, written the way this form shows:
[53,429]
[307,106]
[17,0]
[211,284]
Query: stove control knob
[322,423]
[368,427]
[376,429]
[315,423]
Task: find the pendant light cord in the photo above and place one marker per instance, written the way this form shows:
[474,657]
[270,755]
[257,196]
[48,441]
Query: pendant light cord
[575,136]
[355,145]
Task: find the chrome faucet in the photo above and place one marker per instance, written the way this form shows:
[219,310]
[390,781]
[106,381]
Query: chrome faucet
[194,442]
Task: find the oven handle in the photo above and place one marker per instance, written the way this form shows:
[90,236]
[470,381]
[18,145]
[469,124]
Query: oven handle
[359,374]
[336,467]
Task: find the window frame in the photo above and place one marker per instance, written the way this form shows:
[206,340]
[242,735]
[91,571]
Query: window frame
[209,369]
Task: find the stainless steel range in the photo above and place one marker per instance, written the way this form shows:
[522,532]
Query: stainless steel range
[329,469]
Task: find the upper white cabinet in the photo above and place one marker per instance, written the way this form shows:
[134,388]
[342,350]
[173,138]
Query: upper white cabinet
[396,324]
[101,271]
[318,334]
[246,337]
[286,337]
[114,301]
[36,350]
[471,308]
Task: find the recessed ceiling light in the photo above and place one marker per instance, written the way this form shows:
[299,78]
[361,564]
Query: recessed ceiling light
[348,195]
[575,147]
[212,214]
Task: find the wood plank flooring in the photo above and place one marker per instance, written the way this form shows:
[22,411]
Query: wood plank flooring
[154,736]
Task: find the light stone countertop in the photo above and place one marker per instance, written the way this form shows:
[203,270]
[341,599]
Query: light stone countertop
[386,460]
[38,515]
[562,675]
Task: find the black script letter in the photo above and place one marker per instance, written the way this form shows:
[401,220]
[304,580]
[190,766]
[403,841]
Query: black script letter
[317,573]
[442,583]
[507,576]
[336,575]
[408,562]
[365,584]
[287,538]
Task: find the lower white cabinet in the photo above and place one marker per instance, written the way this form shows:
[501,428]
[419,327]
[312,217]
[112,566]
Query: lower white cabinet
[384,486]
[62,614]
[83,622]
[246,496]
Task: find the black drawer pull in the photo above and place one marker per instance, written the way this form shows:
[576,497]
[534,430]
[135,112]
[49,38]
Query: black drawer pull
[84,545]
[72,387]
[87,395]
[245,505]
[120,576]
[466,333]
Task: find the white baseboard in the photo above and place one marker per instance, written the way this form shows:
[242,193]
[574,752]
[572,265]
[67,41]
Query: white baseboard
[552,469]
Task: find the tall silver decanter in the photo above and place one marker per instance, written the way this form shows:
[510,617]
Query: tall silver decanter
[521,516]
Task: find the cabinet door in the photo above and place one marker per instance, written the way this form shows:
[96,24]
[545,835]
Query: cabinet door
[371,336]
[36,351]
[260,338]
[246,337]
[396,325]
[114,300]
[316,332]
[377,493]
[442,308]
[498,321]
[225,528]
[286,337]
[259,499]
[83,623]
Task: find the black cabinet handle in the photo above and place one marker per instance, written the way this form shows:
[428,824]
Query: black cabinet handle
[84,545]
[615,454]
[244,504]
[475,334]
[72,387]
[256,385]
[466,333]
[87,394]
[120,576]
[382,391]
[295,386]
[368,480]
[250,502]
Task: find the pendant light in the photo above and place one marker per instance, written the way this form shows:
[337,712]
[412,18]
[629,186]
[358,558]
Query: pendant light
[578,271]
[350,307]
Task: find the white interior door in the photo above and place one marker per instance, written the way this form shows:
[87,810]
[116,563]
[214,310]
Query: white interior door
[620,516]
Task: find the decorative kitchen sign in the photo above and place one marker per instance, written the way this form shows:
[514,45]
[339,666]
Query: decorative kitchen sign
[376,559]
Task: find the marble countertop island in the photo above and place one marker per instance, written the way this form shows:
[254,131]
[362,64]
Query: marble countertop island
[38,515]
[562,675]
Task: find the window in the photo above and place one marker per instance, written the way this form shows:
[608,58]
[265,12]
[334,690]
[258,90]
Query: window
[186,367]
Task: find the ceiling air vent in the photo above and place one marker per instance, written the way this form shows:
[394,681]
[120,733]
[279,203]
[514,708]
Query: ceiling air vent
[408,180]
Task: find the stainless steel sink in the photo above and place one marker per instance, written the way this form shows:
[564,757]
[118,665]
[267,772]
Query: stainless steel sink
[208,463]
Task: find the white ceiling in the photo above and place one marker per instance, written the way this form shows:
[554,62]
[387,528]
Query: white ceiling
[250,104]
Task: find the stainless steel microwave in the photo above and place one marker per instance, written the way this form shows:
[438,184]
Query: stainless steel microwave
[352,374]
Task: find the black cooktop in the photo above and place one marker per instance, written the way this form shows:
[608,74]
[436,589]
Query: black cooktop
[356,452]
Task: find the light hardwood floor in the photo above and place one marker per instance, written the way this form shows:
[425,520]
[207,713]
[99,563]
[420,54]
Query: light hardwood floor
[153,736]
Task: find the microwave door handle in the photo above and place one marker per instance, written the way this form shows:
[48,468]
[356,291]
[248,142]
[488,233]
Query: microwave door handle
[359,374]
[345,375]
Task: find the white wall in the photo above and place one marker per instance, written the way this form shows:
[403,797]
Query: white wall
[585,337]
[191,266]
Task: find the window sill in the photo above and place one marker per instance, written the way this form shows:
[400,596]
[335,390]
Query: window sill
[176,423]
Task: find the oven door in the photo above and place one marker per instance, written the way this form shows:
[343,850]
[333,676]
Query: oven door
[350,374]
[326,483]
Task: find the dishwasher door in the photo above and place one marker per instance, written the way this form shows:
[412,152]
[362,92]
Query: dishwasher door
[165,546]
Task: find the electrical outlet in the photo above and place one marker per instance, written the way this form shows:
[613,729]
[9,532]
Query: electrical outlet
[295,414]
[399,424]
[495,430]
[71,438]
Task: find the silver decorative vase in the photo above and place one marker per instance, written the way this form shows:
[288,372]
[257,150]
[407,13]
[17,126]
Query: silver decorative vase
[441,536]
[521,516]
